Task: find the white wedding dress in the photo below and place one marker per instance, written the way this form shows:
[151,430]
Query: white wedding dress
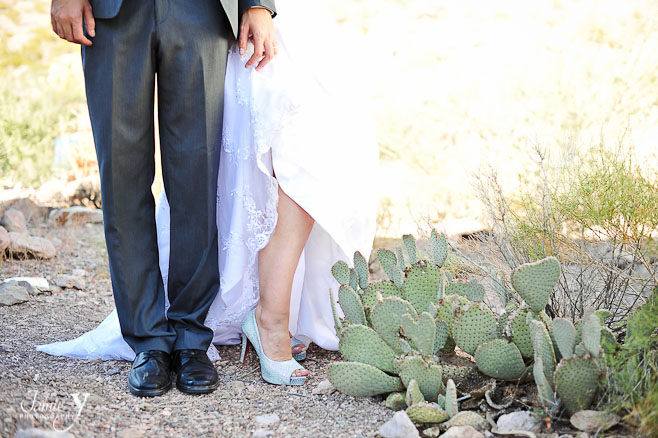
[306,117]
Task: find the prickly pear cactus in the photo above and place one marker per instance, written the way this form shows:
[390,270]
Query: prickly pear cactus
[359,343]
[361,380]
[500,359]
[576,382]
[534,282]
[476,324]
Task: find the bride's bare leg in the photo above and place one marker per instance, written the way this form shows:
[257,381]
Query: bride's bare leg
[277,263]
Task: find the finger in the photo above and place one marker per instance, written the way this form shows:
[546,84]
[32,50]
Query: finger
[67,29]
[269,54]
[259,50]
[244,39]
[90,23]
[78,34]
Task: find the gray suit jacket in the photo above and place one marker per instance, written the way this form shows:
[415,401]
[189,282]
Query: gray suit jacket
[233,9]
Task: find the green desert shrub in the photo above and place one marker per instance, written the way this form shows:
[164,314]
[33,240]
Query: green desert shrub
[632,381]
[596,210]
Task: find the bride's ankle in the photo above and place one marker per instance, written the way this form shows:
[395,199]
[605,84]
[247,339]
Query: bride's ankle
[272,322]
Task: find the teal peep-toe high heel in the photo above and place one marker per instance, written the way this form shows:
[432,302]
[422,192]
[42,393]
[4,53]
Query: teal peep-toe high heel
[275,372]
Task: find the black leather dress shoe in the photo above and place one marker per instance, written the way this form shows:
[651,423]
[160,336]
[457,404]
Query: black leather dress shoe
[150,374]
[196,374]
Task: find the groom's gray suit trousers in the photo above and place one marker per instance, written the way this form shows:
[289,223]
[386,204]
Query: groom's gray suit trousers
[180,46]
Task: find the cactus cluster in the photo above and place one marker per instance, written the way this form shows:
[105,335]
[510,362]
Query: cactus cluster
[393,333]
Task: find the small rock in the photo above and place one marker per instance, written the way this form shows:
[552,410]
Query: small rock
[38,284]
[12,293]
[267,419]
[22,244]
[76,216]
[432,432]
[521,420]
[131,432]
[70,282]
[594,421]
[462,432]
[235,385]
[14,221]
[582,435]
[79,273]
[262,433]
[324,387]
[400,426]
[41,433]
[4,240]
[565,436]
[113,372]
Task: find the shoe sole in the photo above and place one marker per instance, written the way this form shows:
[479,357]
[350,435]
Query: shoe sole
[148,392]
[197,389]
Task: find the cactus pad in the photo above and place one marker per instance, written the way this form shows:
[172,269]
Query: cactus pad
[454,371]
[354,279]
[396,401]
[576,382]
[338,325]
[457,287]
[451,398]
[361,268]
[516,328]
[341,272]
[413,395]
[534,282]
[428,375]
[565,336]
[591,334]
[475,291]
[467,418]
[441,335]
[438,248]
[474,326]
[389,263]
[421,285]
[359,343]
[544,389]
[361,380]
[385,317]
[421,332]
[543,346]
[351,304]
[427,413]
[500,359]
[410,245]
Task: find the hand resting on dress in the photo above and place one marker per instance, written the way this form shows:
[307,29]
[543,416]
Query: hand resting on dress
[257,27]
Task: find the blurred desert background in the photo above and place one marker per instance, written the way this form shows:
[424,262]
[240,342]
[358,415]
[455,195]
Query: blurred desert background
[460,87]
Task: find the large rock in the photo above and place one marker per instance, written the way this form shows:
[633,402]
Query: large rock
[594,421]
[521,420]
[12,293]
[14,221]
[400,426]
[76,216]
[23,245]
[34,213]
[70,282]
[4,240]
[37,283]
[462,432]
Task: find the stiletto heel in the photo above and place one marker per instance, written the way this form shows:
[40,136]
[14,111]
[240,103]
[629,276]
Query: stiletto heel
[245,349]
[301,356]
[273,371]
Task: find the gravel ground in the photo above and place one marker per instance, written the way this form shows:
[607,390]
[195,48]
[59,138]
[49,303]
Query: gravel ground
[36,388]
